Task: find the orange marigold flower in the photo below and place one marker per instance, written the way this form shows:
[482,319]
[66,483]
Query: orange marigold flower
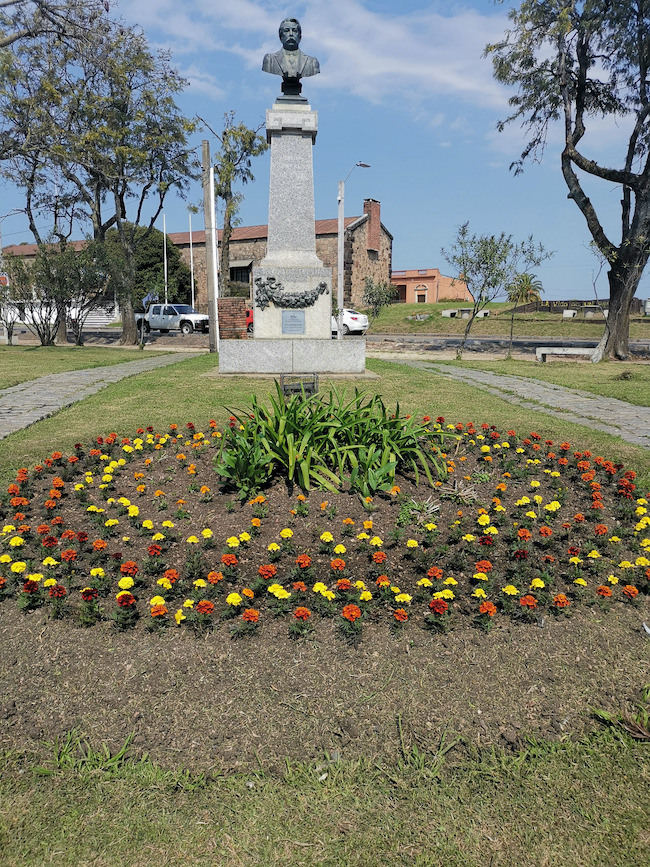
[248,593]
[348,521]
[250,615]
[129,568]
[351,612]
[435,572]
[487,607]
[604,590]
[58,482]
[546,532]
[439,606]
[50,504]
[600,529]
[379,557]
[255,522]
[99,545]
[338,564]
[215,577]
[400,615]
[343,584]
[229,560]
[204,607]
[560,601]
[70,555]
[299,585]
[579,518]
[528,601]
[267,571]
[303,561]
[302,613]
[158,610]
[630,591]
[483,566]
[524,534]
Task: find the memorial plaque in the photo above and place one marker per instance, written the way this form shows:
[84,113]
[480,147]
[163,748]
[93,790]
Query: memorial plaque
[293,321]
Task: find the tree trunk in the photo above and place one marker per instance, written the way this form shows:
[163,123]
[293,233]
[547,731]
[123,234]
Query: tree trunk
[129,332]
[224,261]
[623,277]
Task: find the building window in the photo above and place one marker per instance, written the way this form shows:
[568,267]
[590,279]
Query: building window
[240,275]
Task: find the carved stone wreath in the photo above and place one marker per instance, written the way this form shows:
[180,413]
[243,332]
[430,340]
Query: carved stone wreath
[267,291]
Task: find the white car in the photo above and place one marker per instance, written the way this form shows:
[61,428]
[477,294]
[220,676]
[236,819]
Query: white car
[353,322]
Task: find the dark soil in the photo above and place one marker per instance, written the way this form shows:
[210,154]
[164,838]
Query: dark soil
[205,701]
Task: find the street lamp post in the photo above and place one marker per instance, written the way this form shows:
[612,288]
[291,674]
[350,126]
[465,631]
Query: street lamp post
[341,244]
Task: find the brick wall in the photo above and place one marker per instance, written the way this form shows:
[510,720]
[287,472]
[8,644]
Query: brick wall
[232,318]
[362,261]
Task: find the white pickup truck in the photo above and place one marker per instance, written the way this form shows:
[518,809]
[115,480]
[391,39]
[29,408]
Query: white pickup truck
[172,317]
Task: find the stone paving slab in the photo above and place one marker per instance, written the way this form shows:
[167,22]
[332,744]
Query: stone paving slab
[615,417]
[29,402]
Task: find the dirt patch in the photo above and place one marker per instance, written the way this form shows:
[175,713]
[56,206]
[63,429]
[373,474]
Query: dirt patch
[208,701]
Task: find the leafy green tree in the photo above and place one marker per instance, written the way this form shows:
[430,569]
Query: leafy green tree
[488,264]
[378,295]
[575,62]
[238,146]
[97,136]
[27,19]
[524,289]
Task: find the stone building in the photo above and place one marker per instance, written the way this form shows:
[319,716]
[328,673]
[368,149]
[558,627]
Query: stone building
[428,286]
[367,253]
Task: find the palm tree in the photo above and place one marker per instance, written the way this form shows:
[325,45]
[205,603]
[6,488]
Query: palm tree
[524,289]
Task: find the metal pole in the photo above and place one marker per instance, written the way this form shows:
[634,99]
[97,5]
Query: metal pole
[165,255]
[191,261]
[207,218]
[215,245]
[341,241]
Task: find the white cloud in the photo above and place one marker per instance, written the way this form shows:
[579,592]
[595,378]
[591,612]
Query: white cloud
[202,82]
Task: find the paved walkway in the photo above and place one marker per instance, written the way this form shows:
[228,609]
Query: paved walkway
[29,402]
[616,417]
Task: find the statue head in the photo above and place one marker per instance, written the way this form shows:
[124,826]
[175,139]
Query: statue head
[290,34]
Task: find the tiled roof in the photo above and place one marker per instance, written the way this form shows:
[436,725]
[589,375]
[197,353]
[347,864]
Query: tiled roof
[252,233]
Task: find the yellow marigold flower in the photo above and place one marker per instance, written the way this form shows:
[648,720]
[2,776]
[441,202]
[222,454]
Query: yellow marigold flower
[111,522]
[319,587]
[537,499]
[523,501]
[273,547]
[133,511]
[366,596]
[282,594]
[286,533]
[232,542]
[450,581]
[5,558]
[625,564]
[555,474]
[468,537]
[147,524]
[411,543]
[553,506]
[395,589]
[50,561]
[403,597]
[273,588]
[158,537]
[165,582]
[537,584]
[340,549]
[575,561]
[179,617]
[376,542]
[233,599]
[79,487]
[36,576]
[480,576]
[207,533]
[362,537]
[535,484]
[510,590]
[326,537]
[640,511]
[168,524]
[425,582]
[360,585]
[642,561]
[157,600]
[189,603]
[126,582]
[244,537]
[97,572]
[328,594]
[200,583]
[613,579]
[16,541]
[614,540]
[192,540]
[483,520]
[444,594]
[593,554]
[531,514]
[480,593]
[580,582]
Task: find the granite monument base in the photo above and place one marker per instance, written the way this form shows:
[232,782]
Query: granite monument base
[285,355]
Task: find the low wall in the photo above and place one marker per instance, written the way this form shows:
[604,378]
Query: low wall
[286,355]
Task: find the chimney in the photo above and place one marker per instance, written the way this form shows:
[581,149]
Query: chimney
[372,208]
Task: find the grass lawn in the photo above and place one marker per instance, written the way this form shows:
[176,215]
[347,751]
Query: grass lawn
[579,798]
[22,363]
[394,320]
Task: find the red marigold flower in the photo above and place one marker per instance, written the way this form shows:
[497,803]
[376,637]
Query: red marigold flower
[89,593]
[154,550]
[50,542]
[630,591]
[573,551]
[521,554]
[351,612]
[528,601]
[250,615]
[299,585]
[487,607]
[524,534]
[214,577]
[604,591]
[158,610]
[303,561]
[82,536]
[439,606]
[126,599]
[57,591]
[13,489]
[441,419]
[129,568]
[560,601]
[546,532]
[267,571]
[379,557]
[99,545]
[565,447]
[400,615]
[204,606]
[343,584]
[629,474]
[42,529]
[229,560]
[435,572]
[483,566]
[56,521]
[338,564]
[69,556]
[30,586]
[302,613]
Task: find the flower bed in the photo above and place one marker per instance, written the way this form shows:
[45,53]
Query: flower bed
[137,531]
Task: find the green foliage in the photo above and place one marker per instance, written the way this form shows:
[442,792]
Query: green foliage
[326,442]
[376,296]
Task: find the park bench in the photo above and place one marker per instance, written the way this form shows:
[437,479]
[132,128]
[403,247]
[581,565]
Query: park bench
[542,352]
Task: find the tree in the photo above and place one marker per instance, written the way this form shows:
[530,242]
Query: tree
[99,119]
[8,310]
[37,294]
[376,296]
[576,62]
[488,264]
[28,19]
[239,145]
[524,289]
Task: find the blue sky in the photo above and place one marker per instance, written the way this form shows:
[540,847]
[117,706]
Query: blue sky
[404,87]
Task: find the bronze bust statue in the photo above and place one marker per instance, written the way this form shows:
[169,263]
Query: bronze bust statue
[290,62]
